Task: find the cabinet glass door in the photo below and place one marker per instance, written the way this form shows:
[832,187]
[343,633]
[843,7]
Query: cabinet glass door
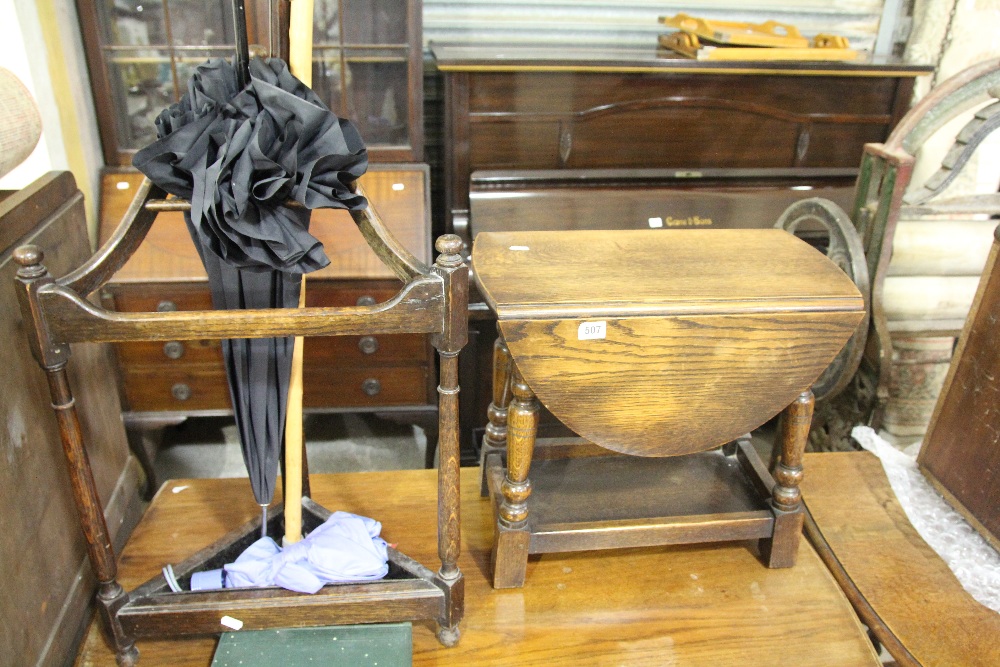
[367,63]
[364,67]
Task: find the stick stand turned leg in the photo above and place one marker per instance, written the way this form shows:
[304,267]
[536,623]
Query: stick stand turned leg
[786,498]
[510,549]
[450,266]
[495,438]
[53,359]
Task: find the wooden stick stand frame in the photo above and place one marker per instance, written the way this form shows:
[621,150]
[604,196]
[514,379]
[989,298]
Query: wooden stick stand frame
[433,300]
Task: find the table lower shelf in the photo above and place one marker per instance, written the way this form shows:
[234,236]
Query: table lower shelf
[606,502]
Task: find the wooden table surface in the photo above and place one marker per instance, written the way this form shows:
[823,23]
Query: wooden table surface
[913,595]
[687,605]
[622,273]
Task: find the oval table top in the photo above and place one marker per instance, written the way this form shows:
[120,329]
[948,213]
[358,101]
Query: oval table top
[658,343]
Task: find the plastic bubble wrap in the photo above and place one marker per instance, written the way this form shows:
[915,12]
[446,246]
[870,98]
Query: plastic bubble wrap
[974,561]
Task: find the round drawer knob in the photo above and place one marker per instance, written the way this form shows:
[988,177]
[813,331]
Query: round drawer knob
[174,349]
[371,386]
[181,391]
[366,301]
[166,306]
[368,344]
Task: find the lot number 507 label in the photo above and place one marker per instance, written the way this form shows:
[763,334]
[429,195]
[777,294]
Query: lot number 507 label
[592,330]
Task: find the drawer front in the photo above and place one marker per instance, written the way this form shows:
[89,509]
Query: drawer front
[149,298]
[152,297]
[365,387]
[340,371]
[325,352]
[176,388]
[674,121]
[203,387]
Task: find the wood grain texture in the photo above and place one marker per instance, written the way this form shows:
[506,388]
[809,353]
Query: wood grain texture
[661,386]
[495,436]
[583,502]
[786,497]
[633,272]
[390,252]
[399,192]
[961,452]
[728,325]
[910,591]
[25,208]
[794,433]
[414,310]
[152,388]
[449,475]
[579,110]
[692,606]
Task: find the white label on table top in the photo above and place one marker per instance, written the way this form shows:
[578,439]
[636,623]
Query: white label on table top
[592,330]
[232,623]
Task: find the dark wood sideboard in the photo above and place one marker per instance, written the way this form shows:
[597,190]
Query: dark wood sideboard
[520,108]
[391,375]
[561,138]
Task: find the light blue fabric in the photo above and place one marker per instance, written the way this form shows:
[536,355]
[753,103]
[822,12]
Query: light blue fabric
[345,548]
[208,580]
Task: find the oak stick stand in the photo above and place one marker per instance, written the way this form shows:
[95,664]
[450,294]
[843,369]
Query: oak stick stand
[433,300]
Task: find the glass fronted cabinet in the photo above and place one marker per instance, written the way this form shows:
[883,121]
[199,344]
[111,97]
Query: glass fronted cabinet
[367,63]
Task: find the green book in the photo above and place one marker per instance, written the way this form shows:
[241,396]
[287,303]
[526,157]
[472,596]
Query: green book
[383,645]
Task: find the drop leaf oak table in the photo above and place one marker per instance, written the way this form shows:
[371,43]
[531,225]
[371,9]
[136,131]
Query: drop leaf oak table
[663,347]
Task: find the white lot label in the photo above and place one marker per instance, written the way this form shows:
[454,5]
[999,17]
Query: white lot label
[230,622]
[592,330]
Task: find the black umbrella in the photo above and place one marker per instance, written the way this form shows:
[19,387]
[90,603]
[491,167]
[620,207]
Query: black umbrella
[241,144]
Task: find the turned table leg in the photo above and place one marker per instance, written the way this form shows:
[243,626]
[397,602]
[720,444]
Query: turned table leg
[510,548]
[786,498]
[495,438]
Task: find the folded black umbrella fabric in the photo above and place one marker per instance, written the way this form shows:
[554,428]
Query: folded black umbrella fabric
[240,156]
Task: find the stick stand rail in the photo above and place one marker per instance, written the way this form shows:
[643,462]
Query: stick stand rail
[433,300]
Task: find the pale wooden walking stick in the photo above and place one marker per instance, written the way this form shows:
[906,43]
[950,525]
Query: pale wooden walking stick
[300,42]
